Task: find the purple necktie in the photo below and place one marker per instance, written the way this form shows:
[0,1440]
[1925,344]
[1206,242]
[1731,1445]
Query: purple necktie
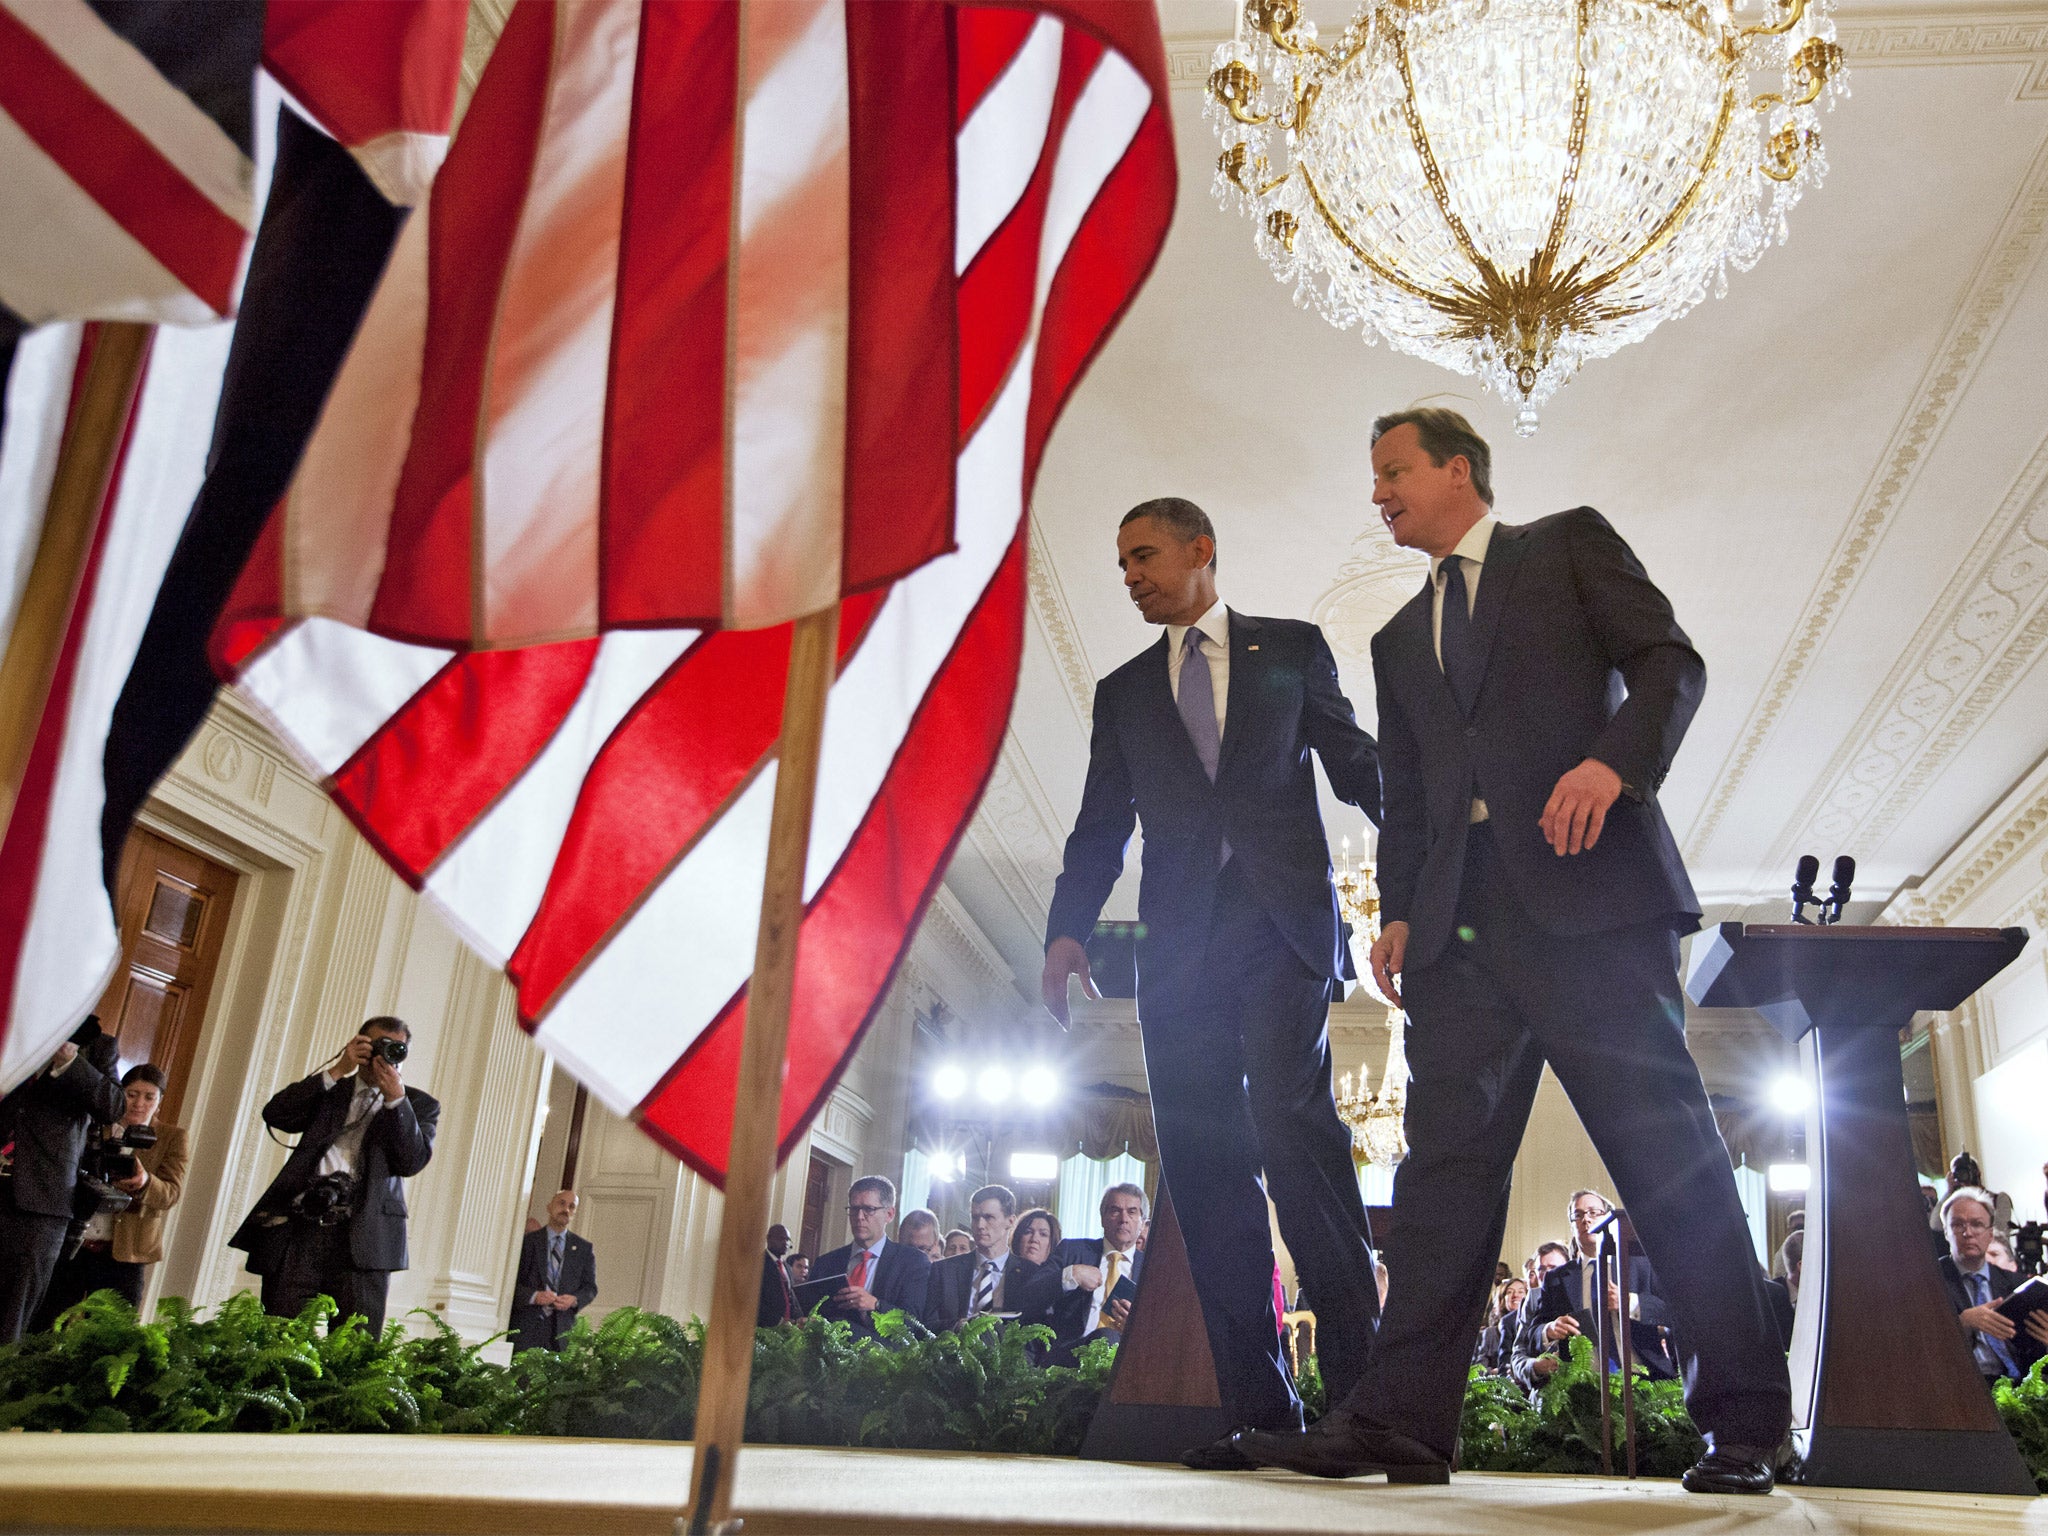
[1197,702]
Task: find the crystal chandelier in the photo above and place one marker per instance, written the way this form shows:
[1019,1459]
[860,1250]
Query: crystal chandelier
[1377,1134]
[1508,188]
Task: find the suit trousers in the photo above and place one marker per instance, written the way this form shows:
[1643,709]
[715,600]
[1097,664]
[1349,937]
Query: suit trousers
[30,1245]
[88,1270]
[1241,1081]
[316,1262]
[1606,1012]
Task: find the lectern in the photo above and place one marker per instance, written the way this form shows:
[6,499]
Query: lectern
[1884,1392]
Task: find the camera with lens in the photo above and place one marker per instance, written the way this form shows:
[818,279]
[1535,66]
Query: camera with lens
[2029,1239]
[109,1160]
[326,1201]
[389,1049]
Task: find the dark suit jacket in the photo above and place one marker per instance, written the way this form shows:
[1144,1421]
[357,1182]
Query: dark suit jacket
[398,1145]
[1649,1332]
[778,1296]
[1583,659]
[544,1327]
[1066,1312]
[48,1119]
[952,1288]
[901,1282]
[1784,1311]
[1284,703]
[2004,1282]
[1496,1348]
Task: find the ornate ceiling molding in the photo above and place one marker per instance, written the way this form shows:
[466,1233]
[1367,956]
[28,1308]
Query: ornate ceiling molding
[1056,623]
[1371,586]
[1986,302]
[2015,836]
[1978,638]
[1016,833]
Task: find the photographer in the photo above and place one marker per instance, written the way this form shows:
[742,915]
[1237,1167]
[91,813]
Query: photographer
[43,1128]
[141,1169]
[333,1220]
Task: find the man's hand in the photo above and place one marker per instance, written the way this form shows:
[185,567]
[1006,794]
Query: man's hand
[1086,1277]
[543,1298]
[385,1076]
[564,1301]
[1578,807]
[67,1053]
[1389,954]
[352,1056]
[1118,1314]
[1987,1319]
[1065,957]
[1560,1329]
[2037,1327]
[134,1182]
[1545,1366]
[856,1298]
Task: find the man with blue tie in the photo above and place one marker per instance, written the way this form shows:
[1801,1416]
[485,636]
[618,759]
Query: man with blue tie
[557,1279]
[1976,1286]
[1206,737]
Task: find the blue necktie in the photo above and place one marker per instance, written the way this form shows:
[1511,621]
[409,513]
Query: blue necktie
[1980,1295]
[1456,641]
[554,1261]
[1197,702]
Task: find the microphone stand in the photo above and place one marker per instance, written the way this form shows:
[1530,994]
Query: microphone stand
[1613,1252]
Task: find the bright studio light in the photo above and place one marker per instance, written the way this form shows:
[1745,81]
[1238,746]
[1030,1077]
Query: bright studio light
[947,1166]
[1790,1095]
[949,1082]
[1790,1178]
[1039,1086]
[993,1084]
[1034,1167]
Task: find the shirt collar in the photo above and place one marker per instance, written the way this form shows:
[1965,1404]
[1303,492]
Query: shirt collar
[999,1258]
[1214,625]
[875,1248]
[1473,546]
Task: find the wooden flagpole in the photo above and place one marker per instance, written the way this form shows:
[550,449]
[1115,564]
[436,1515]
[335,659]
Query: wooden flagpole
[757,1104]
[85,463]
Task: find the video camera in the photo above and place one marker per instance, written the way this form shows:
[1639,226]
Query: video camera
[109,1158]
[2027,1245]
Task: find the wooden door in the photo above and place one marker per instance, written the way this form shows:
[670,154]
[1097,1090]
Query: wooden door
[817,1191]
[173,908]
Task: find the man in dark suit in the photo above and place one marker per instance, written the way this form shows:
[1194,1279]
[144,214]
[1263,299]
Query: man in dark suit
[1976,1286]
[778,1296]
[43,1128]
[557,1279]
[881,1276]
[1531,698]
[1206,738]
[1564,1306]
[332,1222]
[988,1277]
[1074,1292]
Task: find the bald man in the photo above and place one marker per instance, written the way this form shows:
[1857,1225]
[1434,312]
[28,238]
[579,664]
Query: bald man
[557,1279]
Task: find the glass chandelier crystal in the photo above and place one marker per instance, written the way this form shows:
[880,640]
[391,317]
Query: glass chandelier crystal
[1510,187]
[1377,1120]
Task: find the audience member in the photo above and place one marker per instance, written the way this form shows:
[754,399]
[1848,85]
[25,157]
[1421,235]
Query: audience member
[333,1220]
[1999,1256]
[1548,1256]
[920,1229]
[1566,1305]
[1075,1292]
[1496,1348]
[881,1276]
[958,1241]
[117,1247]
[44,1124]
[557,1279]
[778,1293]
[1035,1236]
[1781,1289]
[990,1279]
[1502,1273]
[799,1268]
[1975,1288]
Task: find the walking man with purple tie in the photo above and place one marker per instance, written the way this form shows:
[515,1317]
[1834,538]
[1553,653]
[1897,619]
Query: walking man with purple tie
[1206,738]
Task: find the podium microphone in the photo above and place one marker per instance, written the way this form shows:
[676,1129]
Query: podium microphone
[1838,893]
[1803,877]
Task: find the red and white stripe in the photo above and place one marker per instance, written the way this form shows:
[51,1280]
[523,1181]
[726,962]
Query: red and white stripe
[592,812]
[124,201]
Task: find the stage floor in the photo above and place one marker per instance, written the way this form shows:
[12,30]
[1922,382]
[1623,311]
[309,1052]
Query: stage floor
[455,1484]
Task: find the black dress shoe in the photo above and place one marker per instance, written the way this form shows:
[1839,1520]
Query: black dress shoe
[1218,1456]
[1730,1471]
[1338,1445]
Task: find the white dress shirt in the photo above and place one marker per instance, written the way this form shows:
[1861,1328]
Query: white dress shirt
[1472,550]
[1126,1257]
[1215,627]
[346,1154]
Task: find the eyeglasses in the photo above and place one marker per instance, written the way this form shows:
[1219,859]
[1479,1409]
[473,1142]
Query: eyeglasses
[865,1210]
[1965,1224]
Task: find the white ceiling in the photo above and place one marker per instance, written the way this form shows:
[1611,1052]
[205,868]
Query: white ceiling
[1839,473]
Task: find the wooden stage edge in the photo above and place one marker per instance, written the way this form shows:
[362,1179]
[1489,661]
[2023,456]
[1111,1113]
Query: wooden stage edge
[459,1485]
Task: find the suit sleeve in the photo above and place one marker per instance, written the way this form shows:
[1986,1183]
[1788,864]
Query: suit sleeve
[1529,1342]
[167,1179]
[291,1109]
[91,1086]
[406,1132]
[1042,1290]
[1404,818]
[1633,621]
[1095,848]
[1350,756]
[914,1295]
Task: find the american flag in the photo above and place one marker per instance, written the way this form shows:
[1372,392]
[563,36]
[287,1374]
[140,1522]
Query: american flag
[716,315]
